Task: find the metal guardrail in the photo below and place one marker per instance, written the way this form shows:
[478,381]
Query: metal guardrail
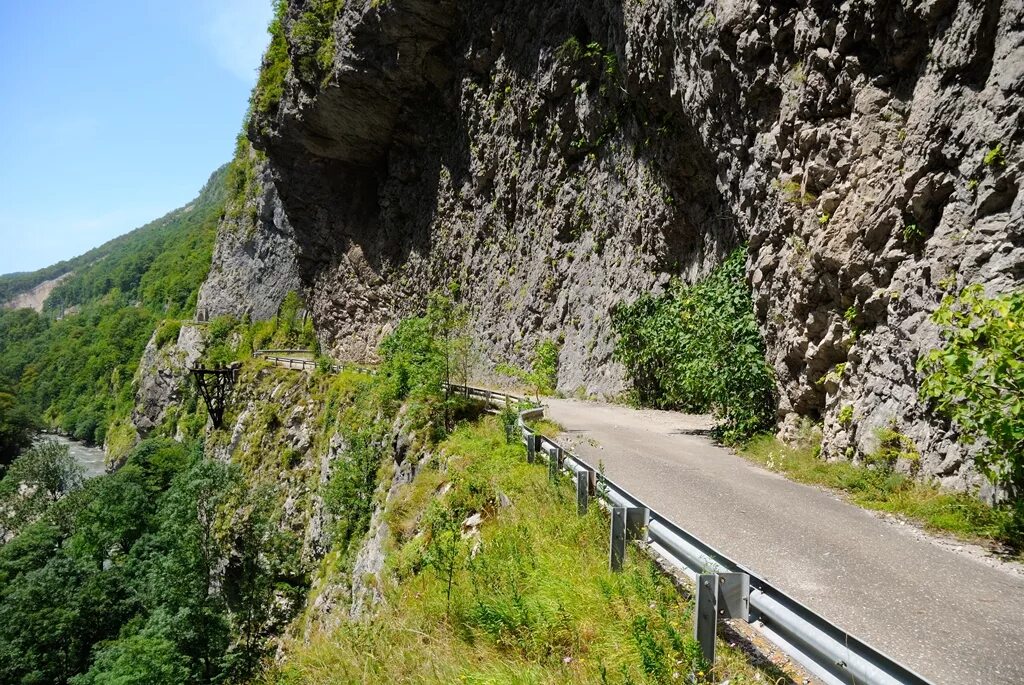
[826,650]
[308,364]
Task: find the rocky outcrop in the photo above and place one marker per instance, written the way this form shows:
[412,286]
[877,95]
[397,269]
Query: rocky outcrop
[253,264]
[35,297]
[559,159]
[163,376]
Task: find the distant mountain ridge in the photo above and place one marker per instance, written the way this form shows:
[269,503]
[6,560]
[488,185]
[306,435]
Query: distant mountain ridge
[147,238]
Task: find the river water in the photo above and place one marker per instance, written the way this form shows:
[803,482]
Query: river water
[91,458]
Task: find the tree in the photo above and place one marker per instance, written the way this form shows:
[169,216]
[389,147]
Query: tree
[448,322]
[542,375]
[976,378]
[16,428]
[48,469]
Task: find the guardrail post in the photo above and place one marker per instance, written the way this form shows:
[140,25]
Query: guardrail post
[719,595]
[582,491]
[628,523]
[705,622]
[555,463]
[531,448]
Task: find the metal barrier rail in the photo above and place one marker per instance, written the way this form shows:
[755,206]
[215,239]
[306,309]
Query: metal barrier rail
[310,364]
[826,650]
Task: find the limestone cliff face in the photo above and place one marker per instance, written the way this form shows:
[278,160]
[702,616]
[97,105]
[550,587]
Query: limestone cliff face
[254,258]
[560,158]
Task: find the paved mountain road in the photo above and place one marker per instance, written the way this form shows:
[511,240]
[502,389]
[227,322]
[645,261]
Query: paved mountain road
[951,616]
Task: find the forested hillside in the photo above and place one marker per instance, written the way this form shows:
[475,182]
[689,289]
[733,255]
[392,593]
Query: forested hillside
[71,367]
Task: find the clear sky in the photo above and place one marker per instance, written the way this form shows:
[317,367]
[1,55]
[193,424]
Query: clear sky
[114,112]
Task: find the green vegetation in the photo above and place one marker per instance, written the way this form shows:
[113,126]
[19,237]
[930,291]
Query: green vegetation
[698,348]
[16,427]
[308,42]
[912,233]
[266,96]
[112,583]
[525,596]
[542,376]
[34,481]
[72,366]
[976,379]
[995,157]
[793,193]
[312,39]
[881,488]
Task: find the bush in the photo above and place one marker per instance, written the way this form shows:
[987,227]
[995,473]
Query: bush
[167,332]
[698,348]
[542,376]
[267,94]
[976,377]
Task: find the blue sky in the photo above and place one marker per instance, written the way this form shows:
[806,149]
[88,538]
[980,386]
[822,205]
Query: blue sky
[113,113]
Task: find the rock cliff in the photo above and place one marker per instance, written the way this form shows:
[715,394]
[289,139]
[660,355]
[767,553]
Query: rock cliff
[253,264]
[559,159]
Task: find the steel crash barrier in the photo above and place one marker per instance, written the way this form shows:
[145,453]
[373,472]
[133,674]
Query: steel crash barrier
[277,358]
[724,588]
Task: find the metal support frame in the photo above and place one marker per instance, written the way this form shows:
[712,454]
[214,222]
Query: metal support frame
[628,523]
[215,386]
[719,595]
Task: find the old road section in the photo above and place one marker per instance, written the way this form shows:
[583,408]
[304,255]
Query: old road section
[952,616]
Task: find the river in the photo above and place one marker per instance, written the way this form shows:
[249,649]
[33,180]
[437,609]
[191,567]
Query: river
[92,459]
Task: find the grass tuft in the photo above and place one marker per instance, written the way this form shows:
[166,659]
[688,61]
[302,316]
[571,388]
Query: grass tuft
[882,489]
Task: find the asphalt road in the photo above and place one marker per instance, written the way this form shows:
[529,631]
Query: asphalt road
[942,609]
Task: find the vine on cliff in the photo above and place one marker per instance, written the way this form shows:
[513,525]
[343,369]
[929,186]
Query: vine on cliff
[698,348]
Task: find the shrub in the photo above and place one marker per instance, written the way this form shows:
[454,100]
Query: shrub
[976,377]
[269,90]
[168,332]
[542,376]
[995,157]
[698,348]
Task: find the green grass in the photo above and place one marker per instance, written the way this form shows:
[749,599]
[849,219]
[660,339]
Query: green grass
[546,427]
[882,489]
[532,599]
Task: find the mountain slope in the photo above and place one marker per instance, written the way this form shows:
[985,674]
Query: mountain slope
[72,365]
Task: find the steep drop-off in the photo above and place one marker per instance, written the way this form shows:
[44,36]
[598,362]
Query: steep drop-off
[560,159]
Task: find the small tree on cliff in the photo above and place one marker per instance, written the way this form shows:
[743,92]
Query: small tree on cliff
[977,380]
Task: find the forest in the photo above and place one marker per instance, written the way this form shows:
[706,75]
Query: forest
[70,368]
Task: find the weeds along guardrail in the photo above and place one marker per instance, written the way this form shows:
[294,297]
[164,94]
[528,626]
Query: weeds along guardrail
[724,588]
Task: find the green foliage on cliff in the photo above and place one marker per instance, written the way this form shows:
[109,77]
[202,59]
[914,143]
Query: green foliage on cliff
[72,366]
[542,375]
[698,348]
[312,39]
[114,583]
[269,90]
[421,356]
[976,378]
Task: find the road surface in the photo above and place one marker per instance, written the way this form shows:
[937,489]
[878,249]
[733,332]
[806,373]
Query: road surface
[943,609]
